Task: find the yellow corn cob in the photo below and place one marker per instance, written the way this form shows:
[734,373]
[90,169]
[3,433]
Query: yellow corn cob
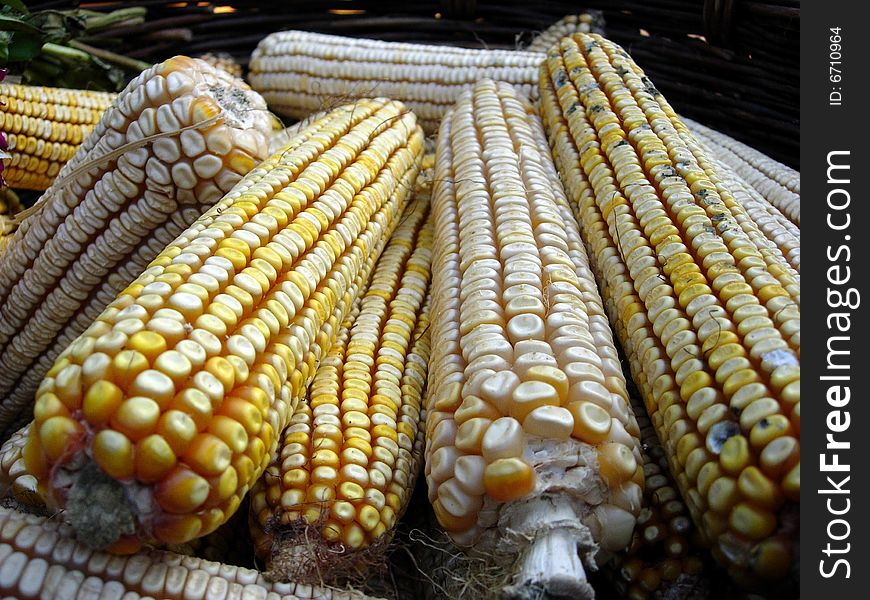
[565,26]
[223,60]
[39,558]
[348,461]
[298,72]
[44,127]
[777,183]
[708,315]
[531,448]
[172,400]
[178,138]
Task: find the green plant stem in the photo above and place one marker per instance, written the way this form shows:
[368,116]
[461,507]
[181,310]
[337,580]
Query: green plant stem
[66,53]
[115,17]
[112,57]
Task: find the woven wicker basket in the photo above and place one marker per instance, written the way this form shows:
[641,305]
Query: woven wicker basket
[731,64]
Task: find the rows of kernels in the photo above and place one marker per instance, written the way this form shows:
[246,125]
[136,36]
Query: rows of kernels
[203,357]
[774,259]
[520,356]
[298,71]
[783,236]
[662,547]
[347,467]
[777,183]
[39,557]
[565,26]
[222,60]
[295,439]
[44,127]
[706,396]
[102,221]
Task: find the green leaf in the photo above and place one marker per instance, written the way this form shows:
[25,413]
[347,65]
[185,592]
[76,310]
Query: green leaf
[24,46]
[8,23]
[16,5]
[5,39]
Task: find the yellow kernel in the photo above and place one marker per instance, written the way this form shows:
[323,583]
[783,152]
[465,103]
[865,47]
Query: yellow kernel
[68,386]
[208,454]
[178,529]
[551,375]
[616,463]
[222,370]
[126,365]
[752,521]
[530,395]
[591,422]
[136,417]
[57,436]
[154,459]
[196,404]
[178,429]
[182,491]
[735,455]
[231,432]
[48,405]
[507,479]
[101,401]
[113,453]
[148,343]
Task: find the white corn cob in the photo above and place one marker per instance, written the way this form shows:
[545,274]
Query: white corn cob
[300,72]
[532,451]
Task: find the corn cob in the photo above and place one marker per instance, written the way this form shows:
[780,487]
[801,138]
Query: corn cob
[44,127]
[663,553]
[172,400]
[15,480]
[779,184]
[708,316]
[531,447]
[178,138]
[298,72]
[226,544]
[783,235]
[223,60]
[583,23]
[40,559]
[347,463]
